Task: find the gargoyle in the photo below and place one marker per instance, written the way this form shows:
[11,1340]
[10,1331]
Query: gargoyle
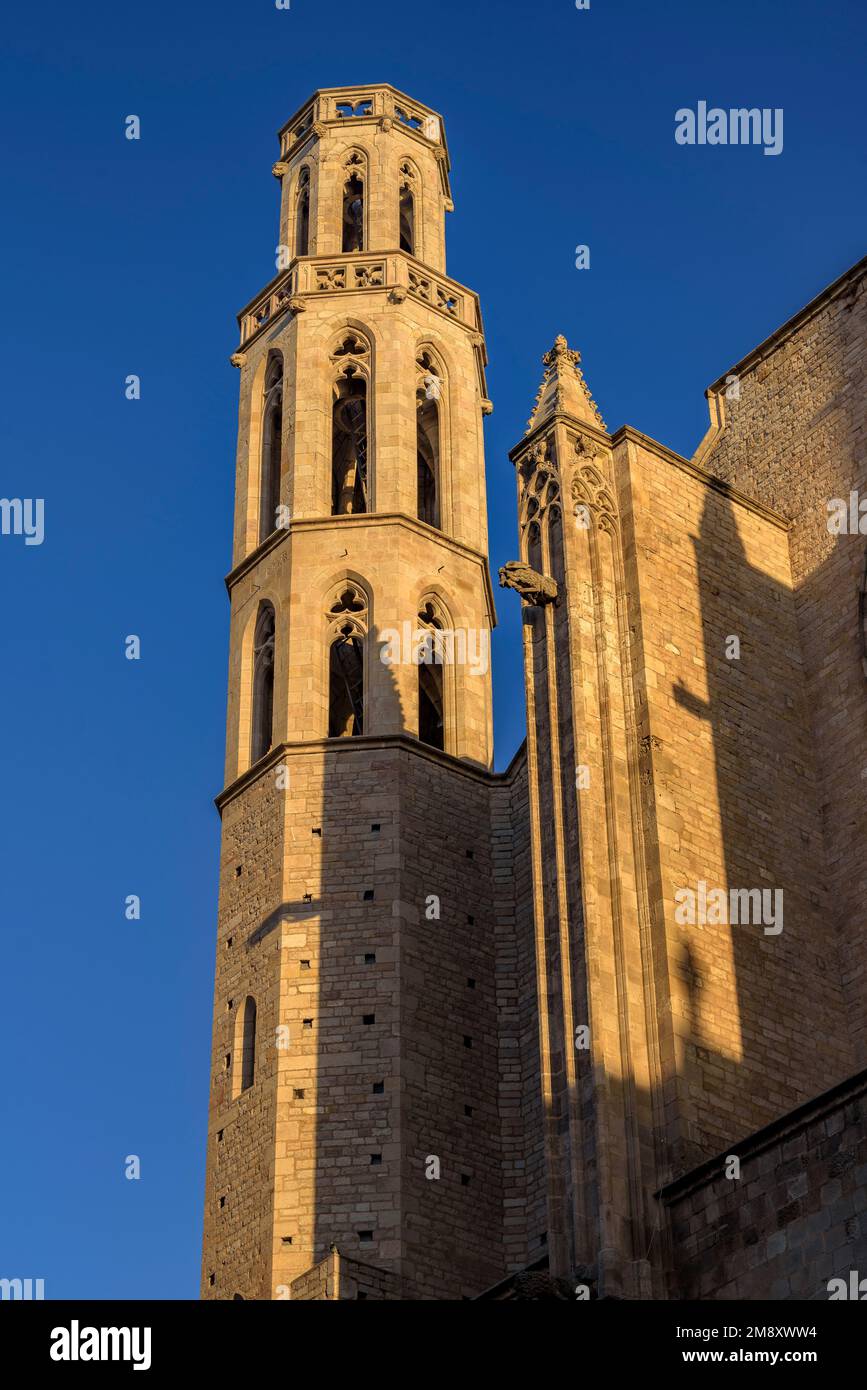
[533,587]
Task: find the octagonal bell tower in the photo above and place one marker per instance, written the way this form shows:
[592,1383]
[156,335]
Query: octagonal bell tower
[359,741]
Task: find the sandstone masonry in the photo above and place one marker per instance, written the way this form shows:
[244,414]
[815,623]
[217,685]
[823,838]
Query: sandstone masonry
[467,1041]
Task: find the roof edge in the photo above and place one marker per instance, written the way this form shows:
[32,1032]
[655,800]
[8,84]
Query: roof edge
[825,296]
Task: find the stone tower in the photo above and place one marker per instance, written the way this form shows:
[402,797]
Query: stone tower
[354,989]
[593,1021]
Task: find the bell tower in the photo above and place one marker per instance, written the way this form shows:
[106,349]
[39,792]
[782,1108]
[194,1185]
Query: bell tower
[355,977]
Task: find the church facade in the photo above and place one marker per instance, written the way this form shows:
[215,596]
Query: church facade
[595,1026]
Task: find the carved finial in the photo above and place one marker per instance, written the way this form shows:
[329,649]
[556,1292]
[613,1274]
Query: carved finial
[561,349]
[564,390]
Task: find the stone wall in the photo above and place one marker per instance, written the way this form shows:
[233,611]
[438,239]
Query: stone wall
[388,943]
[448,1052]
[794,1219]
[525,1217]
[242,1125]
[794,438]
[732,800]
[337,1277]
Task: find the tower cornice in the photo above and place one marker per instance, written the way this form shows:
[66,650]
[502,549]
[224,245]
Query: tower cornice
[363,520]
[560,417]
[365,743]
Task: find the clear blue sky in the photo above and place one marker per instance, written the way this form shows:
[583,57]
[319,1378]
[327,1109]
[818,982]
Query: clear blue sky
[126,257]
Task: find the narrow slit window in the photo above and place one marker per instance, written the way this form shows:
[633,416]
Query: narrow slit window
[248,1045]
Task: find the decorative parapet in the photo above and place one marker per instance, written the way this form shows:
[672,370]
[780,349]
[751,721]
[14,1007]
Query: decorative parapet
[380,105]
[438,293]
[348,275]
[397,275]
[297,128]
[264,310]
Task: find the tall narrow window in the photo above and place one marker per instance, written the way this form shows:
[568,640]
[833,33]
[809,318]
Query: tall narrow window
[428,443]
[272,436]
[263,683]
[349,446]
[431,705]
[407,208]
[353,205]
[346,686]
[302,214]
[248,1044]
[347,632]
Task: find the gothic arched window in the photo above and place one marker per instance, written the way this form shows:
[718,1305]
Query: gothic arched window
[349,429]
[347,619]
[248,1044]
[407,208]
[272,437]
[428,465]
[302,214]
[540,503]
[431,685]
[263,683]
[353,204]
